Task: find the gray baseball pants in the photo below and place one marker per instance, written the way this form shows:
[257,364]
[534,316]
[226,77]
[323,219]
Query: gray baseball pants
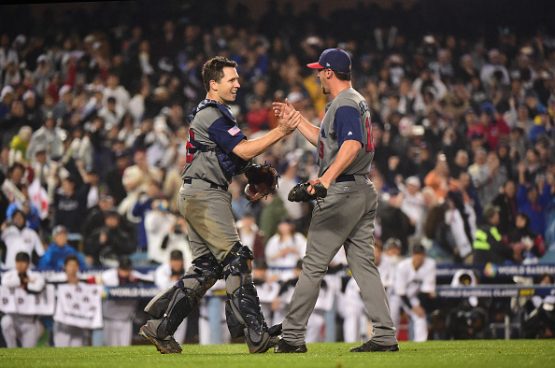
[344,218]
[210,219]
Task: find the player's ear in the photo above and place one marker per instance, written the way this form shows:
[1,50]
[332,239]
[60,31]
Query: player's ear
[213,85]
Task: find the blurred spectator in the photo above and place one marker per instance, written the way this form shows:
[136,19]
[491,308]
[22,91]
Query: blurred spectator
[114,177]
[251,237]
[12,184]
[64,334]
[165,232]
[461,220]
[31,212]
[438,178]
[506,201]
[58,251]
[118,313]
[16,238]
[488,245]
[413,203]
[109,242]
[19,144]
[415,284]
[533,200]
[394,222]
[267,288]
[144,204]
[69,205]
[24,329]
[528,245]
[136,180]
[96,214]
[286,182]
[284,250]
[48,137]
[482,174]
[273,211]
[387,265]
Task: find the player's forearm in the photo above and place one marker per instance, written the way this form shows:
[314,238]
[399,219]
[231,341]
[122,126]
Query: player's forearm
[346,155]
[248,149]
[309,131]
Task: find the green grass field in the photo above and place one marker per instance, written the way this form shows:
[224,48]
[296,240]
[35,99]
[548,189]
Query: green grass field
[451,354]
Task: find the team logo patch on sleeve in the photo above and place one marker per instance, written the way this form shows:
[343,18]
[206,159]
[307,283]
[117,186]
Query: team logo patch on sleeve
[234,131]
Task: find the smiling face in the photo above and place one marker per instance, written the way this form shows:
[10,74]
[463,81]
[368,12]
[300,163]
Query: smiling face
[225,90]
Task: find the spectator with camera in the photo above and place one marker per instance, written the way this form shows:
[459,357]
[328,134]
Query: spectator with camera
[18,329]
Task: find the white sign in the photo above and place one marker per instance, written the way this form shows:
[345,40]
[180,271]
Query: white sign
[79,305]
[19,301]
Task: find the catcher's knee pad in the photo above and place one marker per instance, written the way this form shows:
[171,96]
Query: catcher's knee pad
[238,261]
[243,313]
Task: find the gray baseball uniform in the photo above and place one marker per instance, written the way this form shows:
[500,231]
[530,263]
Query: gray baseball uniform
[201,201]
[205,204]
[345,217]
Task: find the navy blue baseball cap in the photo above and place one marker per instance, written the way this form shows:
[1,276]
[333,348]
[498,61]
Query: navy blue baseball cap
[335,59]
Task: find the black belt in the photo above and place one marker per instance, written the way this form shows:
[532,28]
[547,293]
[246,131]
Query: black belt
[212,185]
[346,177]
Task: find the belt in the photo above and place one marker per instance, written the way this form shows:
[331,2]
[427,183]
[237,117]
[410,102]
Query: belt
[207,183]
[346,177]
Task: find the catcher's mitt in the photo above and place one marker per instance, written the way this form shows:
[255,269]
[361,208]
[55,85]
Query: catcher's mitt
[299,193]
[262,180]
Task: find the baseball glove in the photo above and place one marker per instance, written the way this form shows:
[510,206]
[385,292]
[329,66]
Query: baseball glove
[300,193]
[262,180]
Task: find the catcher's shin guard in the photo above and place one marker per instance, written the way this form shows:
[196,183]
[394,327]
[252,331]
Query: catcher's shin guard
[243,313]
[171,306]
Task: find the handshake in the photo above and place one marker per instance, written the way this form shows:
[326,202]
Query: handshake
[288,117]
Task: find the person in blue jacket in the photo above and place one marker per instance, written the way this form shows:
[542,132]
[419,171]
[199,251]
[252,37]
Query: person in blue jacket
[58,251]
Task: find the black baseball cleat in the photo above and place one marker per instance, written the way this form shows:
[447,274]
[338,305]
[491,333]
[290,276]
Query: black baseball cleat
[164,346]
[370,346]
[284,347]
[264,345]
[275,330]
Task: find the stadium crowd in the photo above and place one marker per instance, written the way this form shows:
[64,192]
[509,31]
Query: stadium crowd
[93,130]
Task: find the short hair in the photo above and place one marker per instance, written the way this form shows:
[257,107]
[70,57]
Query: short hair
[342,76]
[71,257]
[22,257]
[176,255]
[213,69]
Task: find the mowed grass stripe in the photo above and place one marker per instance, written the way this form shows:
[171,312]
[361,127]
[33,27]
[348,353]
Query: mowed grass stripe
[451,354]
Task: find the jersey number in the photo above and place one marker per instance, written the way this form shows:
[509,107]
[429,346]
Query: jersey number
[190,147]
[369,136]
